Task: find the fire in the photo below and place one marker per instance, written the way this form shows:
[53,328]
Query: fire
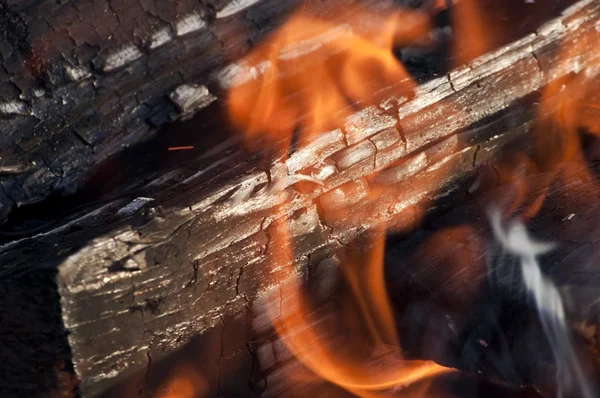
[569,106]
[315,71]
[308,78]
[472,38]
[355,346]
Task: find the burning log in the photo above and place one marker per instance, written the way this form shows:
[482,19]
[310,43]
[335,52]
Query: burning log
[81,82]
[139,277]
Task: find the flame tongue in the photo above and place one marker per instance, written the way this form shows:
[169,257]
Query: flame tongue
[364,273]
[309,77]
[316,70]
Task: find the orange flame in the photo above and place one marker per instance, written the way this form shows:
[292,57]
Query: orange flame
[471,32]
[308,78]
[569,104]
[314,70]
[355,347]
[186,382]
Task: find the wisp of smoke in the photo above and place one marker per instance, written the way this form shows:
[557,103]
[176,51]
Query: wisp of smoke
[514,239]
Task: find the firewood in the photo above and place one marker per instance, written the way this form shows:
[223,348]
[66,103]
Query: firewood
[82,81]
[139,276]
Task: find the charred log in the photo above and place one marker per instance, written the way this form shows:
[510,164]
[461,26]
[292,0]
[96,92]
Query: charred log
[82,80]
[142,274]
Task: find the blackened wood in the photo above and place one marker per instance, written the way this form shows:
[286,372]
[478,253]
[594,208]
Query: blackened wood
[34,346]
[84,79]
[139,277]
[81,81]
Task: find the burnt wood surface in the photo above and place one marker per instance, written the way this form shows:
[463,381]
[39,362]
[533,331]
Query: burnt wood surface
[139,274]
[82,80]
[447,308]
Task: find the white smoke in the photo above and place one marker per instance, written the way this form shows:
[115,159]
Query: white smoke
[515,240]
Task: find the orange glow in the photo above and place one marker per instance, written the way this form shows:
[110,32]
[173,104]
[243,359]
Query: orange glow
[570,103]
[313,71]
[472,33]
[181,148]
[439,5]
[568,106]
[186,382]
[525,198]
[455,248]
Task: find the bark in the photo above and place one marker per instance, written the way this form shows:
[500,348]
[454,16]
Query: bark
[142,274]
[80,81]
[83,80]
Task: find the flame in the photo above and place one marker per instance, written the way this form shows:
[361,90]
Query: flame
[568,106]
[315,70]
[472,32]
[308,78]
[186,382]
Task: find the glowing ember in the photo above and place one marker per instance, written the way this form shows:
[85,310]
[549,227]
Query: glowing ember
[181,148]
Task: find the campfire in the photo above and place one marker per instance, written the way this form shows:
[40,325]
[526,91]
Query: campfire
[370,199]
[311,75]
